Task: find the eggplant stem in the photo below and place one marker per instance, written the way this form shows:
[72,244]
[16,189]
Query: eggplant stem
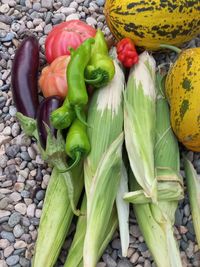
[74,164]
[171,47]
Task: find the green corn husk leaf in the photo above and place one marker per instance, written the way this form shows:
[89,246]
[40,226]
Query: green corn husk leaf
[139,122]
[100,204]
[102,167]
[193,189]
[56,217]
[156,220]
[123,212]
[75,255]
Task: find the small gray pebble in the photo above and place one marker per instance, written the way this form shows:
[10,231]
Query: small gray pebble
[100,2]
[124,263]
[18,231]
[183,245]
[190,236]
[26,238]
[190,228]
[36,6]
[9,37]
[25,156]
[6,227]
[109,260]
[47,3]
[187,210]
[3,161]
[25,221]
[40,195]
[14,219]
[66,3]
[12,110]
[19,251]
[178,217]
[35,221]
[7,235]
[48,17]
[116,244]
[3,220]
[12,260]
[142,247]
[4,203]
[24,262]
[12,151]
[25,193]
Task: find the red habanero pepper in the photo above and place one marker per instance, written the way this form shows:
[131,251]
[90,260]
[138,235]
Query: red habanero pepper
[127,53]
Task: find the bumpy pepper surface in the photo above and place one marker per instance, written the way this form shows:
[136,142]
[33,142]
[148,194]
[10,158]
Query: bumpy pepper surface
[101,69]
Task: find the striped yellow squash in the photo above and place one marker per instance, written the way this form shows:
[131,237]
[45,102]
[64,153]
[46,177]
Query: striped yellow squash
[152,22]
[183,93]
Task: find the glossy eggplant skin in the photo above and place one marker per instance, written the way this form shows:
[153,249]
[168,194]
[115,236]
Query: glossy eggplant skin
[24,77]
[45,108]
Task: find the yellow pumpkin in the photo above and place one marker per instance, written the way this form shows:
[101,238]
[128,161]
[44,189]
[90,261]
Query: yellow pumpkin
[150,23]
[183,92]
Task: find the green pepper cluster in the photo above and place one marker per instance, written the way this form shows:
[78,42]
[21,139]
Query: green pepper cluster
[89,64]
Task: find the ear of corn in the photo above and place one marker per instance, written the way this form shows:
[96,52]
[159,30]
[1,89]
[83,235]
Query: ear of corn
[102,167]
[75,255]
[56,217]
[156,219]
[193,188]
[139,122]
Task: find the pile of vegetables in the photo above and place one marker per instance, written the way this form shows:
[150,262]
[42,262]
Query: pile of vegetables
[110,138]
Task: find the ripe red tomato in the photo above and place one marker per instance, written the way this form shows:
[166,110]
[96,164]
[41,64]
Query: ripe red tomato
[53,79]
[65,35]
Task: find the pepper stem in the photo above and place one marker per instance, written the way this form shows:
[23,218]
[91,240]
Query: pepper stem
[171,47]
[78,155]
[79,116]
[94,81]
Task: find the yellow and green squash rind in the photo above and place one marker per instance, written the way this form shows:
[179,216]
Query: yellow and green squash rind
[150,23]
[183,93]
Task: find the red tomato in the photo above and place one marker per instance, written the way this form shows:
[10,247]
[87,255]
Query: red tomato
[65,35]
[53,79]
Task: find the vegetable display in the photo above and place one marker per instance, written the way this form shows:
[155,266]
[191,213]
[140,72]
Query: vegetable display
[182,90]
[150,24]
[66,35]
[53,79]
[24,77]
[108,123]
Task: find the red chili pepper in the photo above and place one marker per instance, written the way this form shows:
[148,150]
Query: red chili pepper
[127,53]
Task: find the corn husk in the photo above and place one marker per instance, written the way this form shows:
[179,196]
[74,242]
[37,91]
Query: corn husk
[75,255]
[102,167]
[56,217]
[139,123]
[123,212]
[156,219]
[193,189]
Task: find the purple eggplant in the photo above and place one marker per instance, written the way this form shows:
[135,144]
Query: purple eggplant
[43,117]
[24,77]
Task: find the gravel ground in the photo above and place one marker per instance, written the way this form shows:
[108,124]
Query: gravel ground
[23,174]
